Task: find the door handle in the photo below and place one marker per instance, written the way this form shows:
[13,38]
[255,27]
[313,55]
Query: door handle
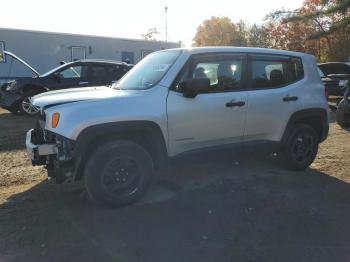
[83,83]
[235,104]
[290,98]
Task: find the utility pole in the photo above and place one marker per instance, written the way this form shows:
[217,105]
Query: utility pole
[166,23]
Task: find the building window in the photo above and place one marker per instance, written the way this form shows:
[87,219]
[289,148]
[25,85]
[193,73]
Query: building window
[78,52]
[2,54]
[128,57]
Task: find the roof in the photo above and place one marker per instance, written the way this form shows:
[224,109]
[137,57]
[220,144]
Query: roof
[98,61]
[86,35]
[198,50]
[334,63]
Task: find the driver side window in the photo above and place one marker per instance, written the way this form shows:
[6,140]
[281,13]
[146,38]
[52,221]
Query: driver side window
[73,72]
[224,72]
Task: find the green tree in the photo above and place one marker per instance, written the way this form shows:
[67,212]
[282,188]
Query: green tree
[318,27]
[240,34]
[216,31]
[328,9]
[221,31]
[258,37]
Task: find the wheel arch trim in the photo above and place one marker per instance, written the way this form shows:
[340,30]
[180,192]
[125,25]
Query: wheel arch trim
[310,113]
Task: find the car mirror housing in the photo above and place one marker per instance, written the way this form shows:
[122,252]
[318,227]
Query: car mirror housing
[192,87]
[56,76]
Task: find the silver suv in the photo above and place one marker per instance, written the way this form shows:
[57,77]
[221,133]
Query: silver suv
[179,101]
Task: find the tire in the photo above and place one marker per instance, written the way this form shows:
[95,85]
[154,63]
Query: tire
[118,173]
[301,148]
[25,107]
[342,119]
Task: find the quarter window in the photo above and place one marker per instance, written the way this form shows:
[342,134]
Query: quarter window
[275,72]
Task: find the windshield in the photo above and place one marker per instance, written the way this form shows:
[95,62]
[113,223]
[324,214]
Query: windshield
[53,70]
[149,71]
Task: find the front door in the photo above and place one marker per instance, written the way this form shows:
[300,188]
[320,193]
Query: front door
[212,118]
[70,76]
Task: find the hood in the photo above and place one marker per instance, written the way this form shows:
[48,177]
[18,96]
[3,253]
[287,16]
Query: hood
[74,95]
[23,62]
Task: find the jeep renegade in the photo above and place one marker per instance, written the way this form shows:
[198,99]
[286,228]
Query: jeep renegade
[174,102]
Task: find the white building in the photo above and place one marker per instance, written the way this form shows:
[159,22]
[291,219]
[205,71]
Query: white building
[44,50]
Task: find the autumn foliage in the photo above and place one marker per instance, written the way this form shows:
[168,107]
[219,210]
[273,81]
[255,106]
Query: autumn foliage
[300,30]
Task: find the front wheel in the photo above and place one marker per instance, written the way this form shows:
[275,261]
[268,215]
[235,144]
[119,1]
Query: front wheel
[26,106]
[118,173]
[301,148]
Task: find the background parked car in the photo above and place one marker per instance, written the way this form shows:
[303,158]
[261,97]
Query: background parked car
[331,73]
[15,95]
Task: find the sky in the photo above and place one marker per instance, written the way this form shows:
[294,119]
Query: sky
[131,18]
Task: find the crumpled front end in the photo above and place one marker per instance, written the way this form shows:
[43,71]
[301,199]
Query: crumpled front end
[50,150]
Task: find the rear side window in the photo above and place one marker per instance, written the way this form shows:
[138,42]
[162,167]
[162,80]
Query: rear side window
[98,72]
[115,72]
[275,71]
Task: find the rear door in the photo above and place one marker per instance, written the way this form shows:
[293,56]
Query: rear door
[273,95]
[115,72]
[99,74]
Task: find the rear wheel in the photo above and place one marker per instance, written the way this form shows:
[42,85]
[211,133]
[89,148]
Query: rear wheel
[26,106]
[301,148]
[118,173]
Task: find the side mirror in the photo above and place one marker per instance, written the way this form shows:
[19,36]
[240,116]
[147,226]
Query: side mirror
[192,87]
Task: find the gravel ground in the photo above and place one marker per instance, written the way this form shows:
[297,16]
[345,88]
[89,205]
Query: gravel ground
[213,208]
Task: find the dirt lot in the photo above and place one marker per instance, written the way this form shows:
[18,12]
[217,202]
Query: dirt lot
[230,208]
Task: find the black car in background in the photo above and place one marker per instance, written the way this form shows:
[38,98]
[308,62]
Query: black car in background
[15,95]
[331,73]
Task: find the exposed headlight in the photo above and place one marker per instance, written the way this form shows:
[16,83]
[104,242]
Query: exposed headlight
[12,86]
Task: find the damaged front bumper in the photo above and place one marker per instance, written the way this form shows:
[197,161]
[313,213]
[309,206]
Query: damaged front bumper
[54,154]
[37,152]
